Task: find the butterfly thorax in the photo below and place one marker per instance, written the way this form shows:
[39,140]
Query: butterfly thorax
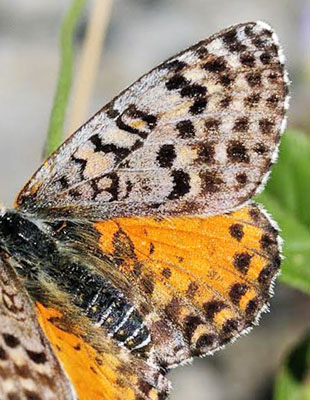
[48,268]
[25,241]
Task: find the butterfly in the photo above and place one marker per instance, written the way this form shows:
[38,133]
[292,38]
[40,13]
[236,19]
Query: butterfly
[136,245]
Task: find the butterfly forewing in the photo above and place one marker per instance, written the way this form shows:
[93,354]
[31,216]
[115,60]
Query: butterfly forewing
[28,367]
[196,135]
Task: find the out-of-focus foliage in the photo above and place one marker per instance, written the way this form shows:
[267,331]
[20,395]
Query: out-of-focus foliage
[287,198]
[293,378]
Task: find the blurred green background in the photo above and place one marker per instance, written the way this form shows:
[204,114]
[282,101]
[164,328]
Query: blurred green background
[273,362]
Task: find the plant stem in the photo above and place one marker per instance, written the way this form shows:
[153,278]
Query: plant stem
[89,62]
[61,98]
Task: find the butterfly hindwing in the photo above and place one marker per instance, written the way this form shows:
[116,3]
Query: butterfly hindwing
[196,135]
[28,367]
[169,288]
[199,282]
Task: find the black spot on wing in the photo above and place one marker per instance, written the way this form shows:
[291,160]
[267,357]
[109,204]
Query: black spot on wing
[254,79]
[265,58]
[236,231]
[152,248]
[114,186]
[205,342]
[267,241]
[237,291]
[166,155]
[242,262]
[126,121]
[173,308]
[191,323]
[231,40]
[252,308]
[202,52]
[229,329]
[273,101]
[186,129]
[260,148]
[94,185]
[247,59]
[205,152]
[111,111]
[145,388]
[194,90]
[266,275]
[226,80]
[237,152]
[212,125]
[176,82]
[230,37]
[241,124]
[211,182]
[82,165]
[31,395]
[225,102]
[252,100]
[242,178]
[119,152]
[198,106]
[10,340]
[216,65]
[266,126]
[175,65]
[212,308]
[37,357]
[181,184]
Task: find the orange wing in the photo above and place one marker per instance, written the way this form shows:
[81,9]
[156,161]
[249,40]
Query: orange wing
[110,373]
[199,281]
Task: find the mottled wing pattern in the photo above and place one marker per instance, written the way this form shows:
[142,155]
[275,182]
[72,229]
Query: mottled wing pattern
[198,282]
[195,135]
[28,366]
[98,368]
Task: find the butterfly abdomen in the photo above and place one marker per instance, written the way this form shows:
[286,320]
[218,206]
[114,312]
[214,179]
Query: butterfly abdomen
[103,304]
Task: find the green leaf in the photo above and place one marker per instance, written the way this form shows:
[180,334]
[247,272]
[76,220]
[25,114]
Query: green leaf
[293,378]
[287,198]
